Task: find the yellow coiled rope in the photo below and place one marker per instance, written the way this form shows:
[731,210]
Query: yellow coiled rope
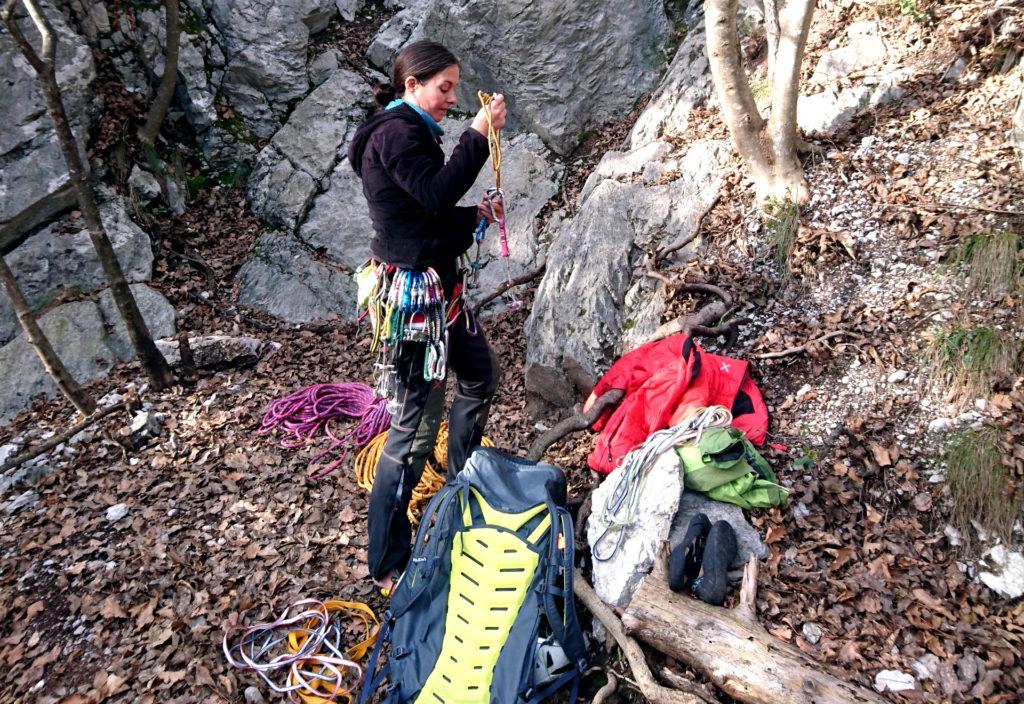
[493,136]
[433,472]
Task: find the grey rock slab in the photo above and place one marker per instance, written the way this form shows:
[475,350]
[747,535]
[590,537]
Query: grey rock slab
[49,260]
[338,223]
[34,184]
[687,84]
[565,67]
[291,168]
[156,310]
[215,351]
[748,540]
[864,48]
[580,315]
[264,43]
[405,26]
[828,111]
[616,579]
[144,184]
[1002,571]
[348,8]
[77,334]
[282,278]
[325,64]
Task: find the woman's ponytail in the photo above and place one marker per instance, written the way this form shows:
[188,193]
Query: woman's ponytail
[384,93]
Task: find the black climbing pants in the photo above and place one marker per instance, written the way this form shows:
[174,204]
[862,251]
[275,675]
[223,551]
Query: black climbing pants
[413,432]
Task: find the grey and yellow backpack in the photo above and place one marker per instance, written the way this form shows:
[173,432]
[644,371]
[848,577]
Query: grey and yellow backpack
[484,613]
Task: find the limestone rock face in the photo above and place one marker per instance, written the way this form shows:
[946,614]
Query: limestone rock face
[295,165]
[594,302]
[34,184]
[79,334]
[50,260]
[617,578]
[284,279]
[565,67]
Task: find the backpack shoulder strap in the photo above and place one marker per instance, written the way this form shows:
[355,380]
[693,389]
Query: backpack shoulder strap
[558,581]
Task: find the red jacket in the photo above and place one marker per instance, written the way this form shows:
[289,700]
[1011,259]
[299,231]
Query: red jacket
[664,381]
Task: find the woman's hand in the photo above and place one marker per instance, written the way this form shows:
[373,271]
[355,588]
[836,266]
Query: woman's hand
[483,209]
[497,108]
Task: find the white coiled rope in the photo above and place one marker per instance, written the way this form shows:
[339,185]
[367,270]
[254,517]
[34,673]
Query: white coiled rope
[620,507]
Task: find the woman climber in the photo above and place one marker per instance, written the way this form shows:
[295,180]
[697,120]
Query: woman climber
[416,283]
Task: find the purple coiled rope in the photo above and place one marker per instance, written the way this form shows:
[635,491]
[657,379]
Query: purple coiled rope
[303,414]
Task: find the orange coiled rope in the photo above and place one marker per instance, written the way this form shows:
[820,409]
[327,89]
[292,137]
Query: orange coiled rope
[433,472]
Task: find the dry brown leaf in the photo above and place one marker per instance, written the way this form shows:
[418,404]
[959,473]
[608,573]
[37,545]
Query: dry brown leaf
[111,609]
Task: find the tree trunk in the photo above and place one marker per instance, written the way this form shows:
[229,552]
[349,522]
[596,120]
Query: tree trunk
[795,22]
[165,92]
[739,110]
[771,30]
[152,361]
[51,362]
[769,149]
[731,649]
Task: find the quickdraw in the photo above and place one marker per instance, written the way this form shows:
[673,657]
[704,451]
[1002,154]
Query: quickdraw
[620,507]
[303,649]
[495,199]
[409,306]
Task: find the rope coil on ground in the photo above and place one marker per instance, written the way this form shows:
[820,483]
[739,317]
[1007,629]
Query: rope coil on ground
[303,414]
[620,507]
[434,471]
[300,653]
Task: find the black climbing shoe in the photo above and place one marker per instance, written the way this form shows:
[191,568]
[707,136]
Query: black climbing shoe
[684,561]
[719,553]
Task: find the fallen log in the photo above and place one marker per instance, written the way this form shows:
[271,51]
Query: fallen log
[731,648]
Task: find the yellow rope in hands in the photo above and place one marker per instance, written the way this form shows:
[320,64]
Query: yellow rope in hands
[493,136]
[434,471]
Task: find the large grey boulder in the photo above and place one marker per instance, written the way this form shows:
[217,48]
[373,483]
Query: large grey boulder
[565,67]
[852,78]
[34,184]
[616,579]
[55,258]
[594,302]
[295,165]
[264,43]
[283,279]
[156,310]
[79,333]
[76,332]
[686,85]
[404,27]
[338,224]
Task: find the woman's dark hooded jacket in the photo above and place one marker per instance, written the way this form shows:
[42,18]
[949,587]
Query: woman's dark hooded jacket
[412,192]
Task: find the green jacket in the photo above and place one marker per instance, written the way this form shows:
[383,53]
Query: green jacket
[725,466]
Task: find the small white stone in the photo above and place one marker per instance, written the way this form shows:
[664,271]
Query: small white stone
[801,510]
[898,376]
[894,681]
[924,666]
[903,159]
[953,536]
[803,391]
[940,425]
[1003,572]
[812,633]
[116,512]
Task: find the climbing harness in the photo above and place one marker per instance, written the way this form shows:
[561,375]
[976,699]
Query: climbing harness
[304,414]
[621,506]
[408,306]
[300,653]
[434,471]
[495,199]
